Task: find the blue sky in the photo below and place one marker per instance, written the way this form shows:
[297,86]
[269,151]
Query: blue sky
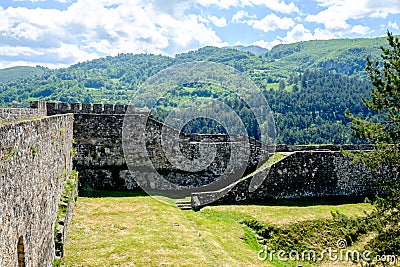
[59,33]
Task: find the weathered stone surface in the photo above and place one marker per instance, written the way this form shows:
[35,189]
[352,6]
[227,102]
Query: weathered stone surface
[301,174]
[66,208]
[151,154]
[13,114]
[34,157]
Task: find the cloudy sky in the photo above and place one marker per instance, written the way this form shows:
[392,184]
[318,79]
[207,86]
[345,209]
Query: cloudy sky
[58,33]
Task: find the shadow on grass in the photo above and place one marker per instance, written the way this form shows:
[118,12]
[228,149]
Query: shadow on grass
[305,202]
[111,193]
[96,193]
[298,202]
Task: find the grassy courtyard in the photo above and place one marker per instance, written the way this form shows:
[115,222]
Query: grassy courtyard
[137,230]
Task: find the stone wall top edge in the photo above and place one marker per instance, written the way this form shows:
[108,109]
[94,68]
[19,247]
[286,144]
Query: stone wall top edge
[8,124]
[17,114]
[89,108]
[121,109]
[327,148]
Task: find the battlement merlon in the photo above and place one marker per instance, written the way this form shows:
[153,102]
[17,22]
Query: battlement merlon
[37,104]
[54,108]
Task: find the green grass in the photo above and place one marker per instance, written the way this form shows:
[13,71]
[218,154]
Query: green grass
[274,158]
[272,86]
[137,230]
[286,212]
[275,87]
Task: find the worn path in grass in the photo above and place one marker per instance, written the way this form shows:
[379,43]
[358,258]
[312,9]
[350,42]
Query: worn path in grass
[141,231]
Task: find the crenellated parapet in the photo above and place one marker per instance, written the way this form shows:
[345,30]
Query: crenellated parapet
[54,108]
[37,104]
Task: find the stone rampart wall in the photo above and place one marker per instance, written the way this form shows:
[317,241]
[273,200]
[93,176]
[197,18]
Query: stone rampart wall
[35,159]
[301,174]
[38,109]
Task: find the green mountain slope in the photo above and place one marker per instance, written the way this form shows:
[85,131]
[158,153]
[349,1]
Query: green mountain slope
[312,83]
[20,72]
[342,55]
[256,50]
[104,80]
[113,79]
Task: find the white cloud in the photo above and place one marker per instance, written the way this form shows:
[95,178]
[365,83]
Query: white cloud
[174,8]
[238,16]
[93,28]
[219,22]
[324,34]
[338,12]
[325,3]
[238,43]
[225,4]
[381,8]
[271,22]
[88,29]
[265,44]
[360,29]
[298,33]
[274,5]
[11,51]
[393,25]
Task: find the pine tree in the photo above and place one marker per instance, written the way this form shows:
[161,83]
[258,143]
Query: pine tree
[384,133]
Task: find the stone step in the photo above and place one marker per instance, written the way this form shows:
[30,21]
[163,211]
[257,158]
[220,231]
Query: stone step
[184,205]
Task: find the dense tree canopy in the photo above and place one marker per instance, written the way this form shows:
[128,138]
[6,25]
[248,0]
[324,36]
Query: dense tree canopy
[385,134]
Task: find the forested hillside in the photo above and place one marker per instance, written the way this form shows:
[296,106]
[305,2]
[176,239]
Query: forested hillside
[21,72]
[314,110]
[256,50]
[308,84]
